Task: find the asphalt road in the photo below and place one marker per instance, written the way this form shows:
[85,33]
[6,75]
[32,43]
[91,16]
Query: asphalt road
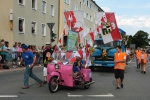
[136,86]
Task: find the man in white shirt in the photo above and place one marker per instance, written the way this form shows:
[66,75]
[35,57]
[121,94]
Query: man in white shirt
[128,54]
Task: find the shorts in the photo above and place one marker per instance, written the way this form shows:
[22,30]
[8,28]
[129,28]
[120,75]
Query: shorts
[75,69]
[142,63]
[119,73]
[45,71]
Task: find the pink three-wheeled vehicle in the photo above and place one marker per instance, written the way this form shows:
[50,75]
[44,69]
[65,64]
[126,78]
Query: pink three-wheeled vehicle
[60,74]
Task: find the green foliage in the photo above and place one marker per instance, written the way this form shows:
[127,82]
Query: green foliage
[141,39]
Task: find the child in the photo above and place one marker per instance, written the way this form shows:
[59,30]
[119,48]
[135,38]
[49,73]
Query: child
[14,55]
[47,60]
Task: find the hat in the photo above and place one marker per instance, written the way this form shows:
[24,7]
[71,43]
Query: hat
[24,46]
[47,43]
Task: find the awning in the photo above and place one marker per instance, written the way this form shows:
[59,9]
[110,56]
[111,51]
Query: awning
[122,31]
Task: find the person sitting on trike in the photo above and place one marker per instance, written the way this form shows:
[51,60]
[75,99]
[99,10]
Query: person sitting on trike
[78,64]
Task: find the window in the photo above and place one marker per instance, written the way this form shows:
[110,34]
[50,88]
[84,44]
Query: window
[96,22]
[75,8]
[85,1]
[90,5]
[87,15]
[33,27]
[94,26]
[34,4]
[84,14]
[66,1]
[52,10]
[90,29]
[43,7]
[80,5]
[21,2]
[85,28]
[21,25]
[90,18]
[43,30]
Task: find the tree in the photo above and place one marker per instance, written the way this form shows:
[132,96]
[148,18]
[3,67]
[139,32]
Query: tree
[141,39]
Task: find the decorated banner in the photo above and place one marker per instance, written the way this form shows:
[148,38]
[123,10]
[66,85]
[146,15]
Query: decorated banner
[75,22]
[72,40]
[108,27]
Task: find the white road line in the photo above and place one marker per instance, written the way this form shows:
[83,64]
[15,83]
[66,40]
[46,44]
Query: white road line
[8,96]
[107,95]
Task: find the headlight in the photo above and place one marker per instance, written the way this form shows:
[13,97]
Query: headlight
[56,66]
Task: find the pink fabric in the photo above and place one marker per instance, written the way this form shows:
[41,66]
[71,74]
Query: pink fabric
[30,50]
[19,49]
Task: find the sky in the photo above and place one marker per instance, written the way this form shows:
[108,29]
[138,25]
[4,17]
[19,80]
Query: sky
[131,15]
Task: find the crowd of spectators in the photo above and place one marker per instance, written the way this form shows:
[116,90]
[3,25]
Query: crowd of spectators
[13,54]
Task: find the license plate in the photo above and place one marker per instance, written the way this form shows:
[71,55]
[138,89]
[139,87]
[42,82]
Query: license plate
[97,64]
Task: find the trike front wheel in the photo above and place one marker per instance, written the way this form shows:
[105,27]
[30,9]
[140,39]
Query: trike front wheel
[88,86]
[54,84]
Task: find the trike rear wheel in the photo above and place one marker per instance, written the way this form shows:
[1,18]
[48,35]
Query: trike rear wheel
[54,84]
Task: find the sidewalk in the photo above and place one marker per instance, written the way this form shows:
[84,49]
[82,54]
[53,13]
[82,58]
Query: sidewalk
[15,69]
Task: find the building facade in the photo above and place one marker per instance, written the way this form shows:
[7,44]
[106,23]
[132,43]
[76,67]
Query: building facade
[89,9]
[26,21]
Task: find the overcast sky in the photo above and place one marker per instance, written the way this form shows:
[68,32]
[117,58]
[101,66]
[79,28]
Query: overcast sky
[131,15]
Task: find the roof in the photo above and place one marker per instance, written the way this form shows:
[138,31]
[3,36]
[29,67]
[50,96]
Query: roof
[97,5]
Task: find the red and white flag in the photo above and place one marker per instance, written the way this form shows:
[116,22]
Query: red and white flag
[108,27]
[75,22]
[64,31]
[61,39]
[92,36]
[70,18]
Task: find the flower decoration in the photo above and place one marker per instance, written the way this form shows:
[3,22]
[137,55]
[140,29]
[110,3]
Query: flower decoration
[104,55]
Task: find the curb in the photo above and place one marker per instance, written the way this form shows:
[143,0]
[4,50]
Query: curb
[16,69]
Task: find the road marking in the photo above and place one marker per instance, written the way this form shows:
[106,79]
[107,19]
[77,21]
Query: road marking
[107,95]
[8,96]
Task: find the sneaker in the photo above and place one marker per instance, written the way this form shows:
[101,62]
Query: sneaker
[144,72]
[25,87]
[141,71]
[45,82]
[117,88]
[14,66]
[121,85]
